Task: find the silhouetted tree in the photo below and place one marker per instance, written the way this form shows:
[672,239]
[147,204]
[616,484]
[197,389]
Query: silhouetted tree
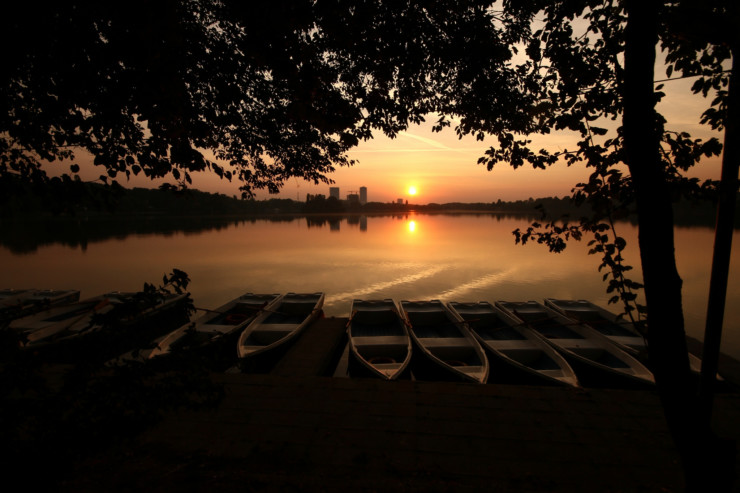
[284,88]
[592,62]
[255,91]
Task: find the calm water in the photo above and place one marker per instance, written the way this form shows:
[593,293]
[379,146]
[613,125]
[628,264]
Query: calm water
[450,257]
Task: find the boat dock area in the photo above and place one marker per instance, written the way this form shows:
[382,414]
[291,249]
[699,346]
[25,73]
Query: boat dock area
[298,428]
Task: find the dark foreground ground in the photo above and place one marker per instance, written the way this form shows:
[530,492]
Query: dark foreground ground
[291,430]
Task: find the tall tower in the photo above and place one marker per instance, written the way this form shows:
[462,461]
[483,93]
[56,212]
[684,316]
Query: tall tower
[363,195]
[334,192]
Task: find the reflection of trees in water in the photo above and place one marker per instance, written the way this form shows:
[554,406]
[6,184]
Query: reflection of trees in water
[334,221]
[27,236]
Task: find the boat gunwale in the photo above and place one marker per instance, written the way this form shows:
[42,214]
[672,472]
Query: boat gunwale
[464,331]
[163,345]
[568,377]
[297,327]
[380,305]
[639,373]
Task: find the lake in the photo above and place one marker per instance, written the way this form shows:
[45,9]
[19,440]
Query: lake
[462,257]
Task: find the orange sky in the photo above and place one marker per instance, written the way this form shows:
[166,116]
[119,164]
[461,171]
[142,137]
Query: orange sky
[443,168]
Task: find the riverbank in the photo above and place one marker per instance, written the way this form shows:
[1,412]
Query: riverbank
[290,430]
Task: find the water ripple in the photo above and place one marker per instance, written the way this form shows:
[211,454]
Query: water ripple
[481,282]
[384,285]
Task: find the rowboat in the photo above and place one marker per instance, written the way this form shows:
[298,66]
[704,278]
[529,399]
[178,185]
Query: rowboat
[21,303]
[445,342]
[92,315]
[514,344]
[217,326]
[379,340]
[48,324]
[280,325]
[10,294]
[620,332]
[591,354]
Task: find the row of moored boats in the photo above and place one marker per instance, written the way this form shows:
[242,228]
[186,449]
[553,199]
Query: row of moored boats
[559,341]
[259,323]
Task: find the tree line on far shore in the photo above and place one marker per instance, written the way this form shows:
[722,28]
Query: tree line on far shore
[93,200]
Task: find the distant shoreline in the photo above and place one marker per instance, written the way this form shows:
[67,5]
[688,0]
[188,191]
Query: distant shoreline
[122,203]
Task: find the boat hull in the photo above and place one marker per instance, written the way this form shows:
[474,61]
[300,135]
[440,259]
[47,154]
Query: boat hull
[264,341]
[516,354]
[15,304]
[618,331]
[379,342]
[98,334]
[595,360]
[444,348]
[211,337]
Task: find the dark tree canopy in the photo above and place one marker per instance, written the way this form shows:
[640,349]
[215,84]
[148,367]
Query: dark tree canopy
[255,91]
[285,88]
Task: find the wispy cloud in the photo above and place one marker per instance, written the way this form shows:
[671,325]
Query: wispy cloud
[430,145]
[426,140]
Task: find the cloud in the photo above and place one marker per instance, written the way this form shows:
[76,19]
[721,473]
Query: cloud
[426,140]
[430,145]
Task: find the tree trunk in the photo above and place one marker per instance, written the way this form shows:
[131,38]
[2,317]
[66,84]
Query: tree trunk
[666,336]
[722,245]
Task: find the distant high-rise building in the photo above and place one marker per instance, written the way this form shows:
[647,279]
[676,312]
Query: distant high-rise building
[363,195]
[334,192]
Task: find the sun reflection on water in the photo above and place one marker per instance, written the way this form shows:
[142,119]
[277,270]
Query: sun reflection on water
[411,225]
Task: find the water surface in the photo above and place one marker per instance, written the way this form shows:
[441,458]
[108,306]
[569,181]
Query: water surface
[467,257]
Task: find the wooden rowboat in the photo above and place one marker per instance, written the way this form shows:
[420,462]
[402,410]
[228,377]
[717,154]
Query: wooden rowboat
[93,315]
[379,340]
[22,303]
[217,326]
[513,343]
[58,321]
[592,354]
[620,332]
[445,342]
[280,325]
[8,296]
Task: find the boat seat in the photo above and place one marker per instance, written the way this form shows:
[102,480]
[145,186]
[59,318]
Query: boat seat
[581,344]
[444,342]
[275,328]
[517,344]
[380,340]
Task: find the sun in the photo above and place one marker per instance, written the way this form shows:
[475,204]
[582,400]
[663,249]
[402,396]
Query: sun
[412,190]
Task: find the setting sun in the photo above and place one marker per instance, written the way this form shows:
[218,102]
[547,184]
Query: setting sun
[412,190]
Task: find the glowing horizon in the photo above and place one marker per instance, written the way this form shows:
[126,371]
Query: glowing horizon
[445,166]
